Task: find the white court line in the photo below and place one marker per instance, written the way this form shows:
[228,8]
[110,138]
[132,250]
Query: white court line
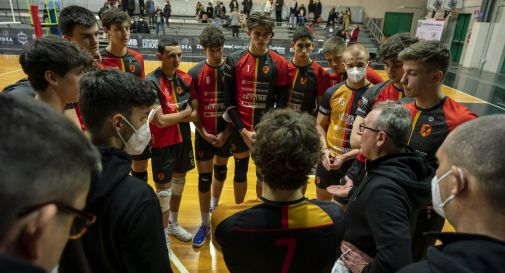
[10,72]
[177,263]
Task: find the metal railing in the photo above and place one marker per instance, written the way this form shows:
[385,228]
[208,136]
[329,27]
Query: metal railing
[374,29]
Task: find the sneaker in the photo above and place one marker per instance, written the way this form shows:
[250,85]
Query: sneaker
[201,235]
[179,232]
[167,238]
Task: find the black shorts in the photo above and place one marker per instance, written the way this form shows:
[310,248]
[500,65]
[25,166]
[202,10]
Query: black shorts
[237,143]
[145,155]
[176,158]
[325,178]
[205,151]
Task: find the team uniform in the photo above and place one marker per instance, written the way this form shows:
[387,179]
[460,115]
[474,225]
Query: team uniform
[208,90]
[267,236]
[308,85]
[385,91]
[172,150]
[430,127]
[253,85]
[131,62]
[340,103]
[371,75]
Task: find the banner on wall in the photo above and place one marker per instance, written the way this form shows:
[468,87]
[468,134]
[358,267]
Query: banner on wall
[430,30]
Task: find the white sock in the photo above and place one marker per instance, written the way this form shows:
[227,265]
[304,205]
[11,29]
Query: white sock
[205,218]
[172,217]
[214,201]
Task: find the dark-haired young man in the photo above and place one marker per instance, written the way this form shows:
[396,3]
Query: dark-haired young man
[309,79]
[433,116]
[256,80]
[44,184]
[54,76]
[333,50]
[116,55]
[276,234]
[128,235]
[212,147]
[172,151]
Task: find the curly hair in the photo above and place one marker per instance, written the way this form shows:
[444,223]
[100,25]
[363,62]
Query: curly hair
[394,44]
[211,37]
[287,147]
[114,16]
[259,19]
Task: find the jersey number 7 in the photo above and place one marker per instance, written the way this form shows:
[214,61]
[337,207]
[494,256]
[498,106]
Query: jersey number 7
[291,244]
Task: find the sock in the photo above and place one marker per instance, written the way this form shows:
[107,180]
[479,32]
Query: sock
[172,217]
[205,218]
[214,201]
[140,175]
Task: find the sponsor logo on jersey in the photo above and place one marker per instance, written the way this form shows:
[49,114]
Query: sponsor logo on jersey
[303,80]
[161,176]
[179,90]
[133,68]
[266,69]
[426,130]
[207,80]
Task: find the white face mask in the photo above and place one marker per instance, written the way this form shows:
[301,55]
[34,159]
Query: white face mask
[356,74]
[138,141]
[438,205]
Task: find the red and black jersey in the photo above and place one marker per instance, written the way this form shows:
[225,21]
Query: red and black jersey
[131,62]
[308,84]
[266,236]
[208,87]
[172,93]
[385,91]
[371,75]
[431,126]
[253,85]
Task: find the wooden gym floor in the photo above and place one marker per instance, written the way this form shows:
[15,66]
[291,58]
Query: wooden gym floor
[184,257]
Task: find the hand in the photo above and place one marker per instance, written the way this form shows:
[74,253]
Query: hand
[187,111]
[248,136]
[354,258]
[341,190]
[336,163]
[209,137]
[220,139]
[327,155]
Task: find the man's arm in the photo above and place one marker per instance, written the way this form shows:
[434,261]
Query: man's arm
[164,120]
[322,124]
[230,94]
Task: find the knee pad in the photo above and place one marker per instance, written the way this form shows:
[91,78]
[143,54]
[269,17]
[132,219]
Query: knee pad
[140,175]
[241,166]
[220,172]
[178,185]
[204,182]
[164,198]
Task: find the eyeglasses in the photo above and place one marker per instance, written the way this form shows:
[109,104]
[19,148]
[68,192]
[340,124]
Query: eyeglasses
[363,127]
[80,224]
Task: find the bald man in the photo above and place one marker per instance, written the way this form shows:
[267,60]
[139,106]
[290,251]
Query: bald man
[468,191]
[335,120]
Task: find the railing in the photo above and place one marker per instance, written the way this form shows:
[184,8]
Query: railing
[374,29]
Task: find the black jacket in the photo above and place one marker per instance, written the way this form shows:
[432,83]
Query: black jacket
[462,253]
[21,87]
[16,265]
[128,234]
[380,216]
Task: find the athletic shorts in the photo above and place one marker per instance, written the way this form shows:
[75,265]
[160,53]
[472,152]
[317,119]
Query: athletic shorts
[325,178]
[176,158]
[205,151]
[237,143]
[145,155]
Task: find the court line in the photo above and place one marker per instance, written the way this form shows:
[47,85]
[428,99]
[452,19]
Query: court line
[10,72]
[177,263]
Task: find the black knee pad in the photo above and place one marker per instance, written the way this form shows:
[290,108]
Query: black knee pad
[140,175]
[241,166]
[220,172]
[204,182]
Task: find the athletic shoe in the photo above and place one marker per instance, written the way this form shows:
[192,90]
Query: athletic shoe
[179,232]
[201,235]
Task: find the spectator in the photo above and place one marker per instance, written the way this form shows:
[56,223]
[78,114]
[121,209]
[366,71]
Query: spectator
[235,22]
[302,12]
[198,8]
[354,35]
[255,236]
[159,18]
[269,7]
[330,22]
[210,10]
[142,26]
[142,7]
[217,14]
[150,11]
[381,212]
[318,9]
[346,18]
[167,11]
[131,7]
[242,19]
[43,207]
[234,5]
[247,7]
[312,8]
[278,11]
[293,13]
[468,191]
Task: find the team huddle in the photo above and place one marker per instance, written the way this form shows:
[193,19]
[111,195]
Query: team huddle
[288,115]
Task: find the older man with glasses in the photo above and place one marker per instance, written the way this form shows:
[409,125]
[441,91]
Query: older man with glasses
[43,186]
[379,215]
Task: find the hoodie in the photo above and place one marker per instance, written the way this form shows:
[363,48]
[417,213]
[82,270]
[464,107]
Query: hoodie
[462,253]
[128,233]
[380,216]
